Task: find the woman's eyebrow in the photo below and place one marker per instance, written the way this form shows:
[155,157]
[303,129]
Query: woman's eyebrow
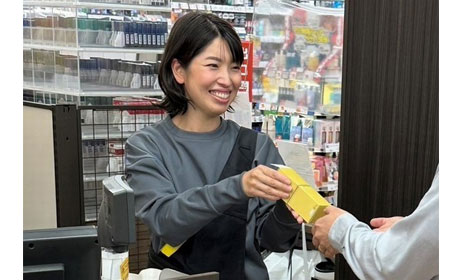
[214,58]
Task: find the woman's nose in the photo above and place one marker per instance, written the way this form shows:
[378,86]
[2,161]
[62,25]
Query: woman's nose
[224,78]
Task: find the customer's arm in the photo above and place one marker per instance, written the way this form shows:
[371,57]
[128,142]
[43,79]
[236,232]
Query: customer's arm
[409,250]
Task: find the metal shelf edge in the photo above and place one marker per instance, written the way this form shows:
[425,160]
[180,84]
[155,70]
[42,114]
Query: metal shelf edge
[96,5]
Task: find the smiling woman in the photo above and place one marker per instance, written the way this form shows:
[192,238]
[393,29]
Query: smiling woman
[196,182]
[211,81]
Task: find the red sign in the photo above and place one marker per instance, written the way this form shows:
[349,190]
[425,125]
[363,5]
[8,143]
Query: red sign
[246,70]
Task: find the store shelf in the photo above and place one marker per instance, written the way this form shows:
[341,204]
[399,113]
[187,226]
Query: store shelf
[271,39]
[328,148]
[103,93]
[265,9]
[128,92]
[96,5]
[91,49]
[94,177]
[212,7]
[72,92]
[329,187]
[107,132]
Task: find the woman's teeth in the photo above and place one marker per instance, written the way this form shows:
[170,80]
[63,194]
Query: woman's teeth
[220,94]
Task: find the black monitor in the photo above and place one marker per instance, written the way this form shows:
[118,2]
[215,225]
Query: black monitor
[69,253]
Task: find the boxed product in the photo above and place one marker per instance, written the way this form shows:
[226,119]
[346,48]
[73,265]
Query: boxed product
[337,131]
[305,200]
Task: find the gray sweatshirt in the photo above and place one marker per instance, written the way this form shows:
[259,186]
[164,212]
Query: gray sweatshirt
[174,176]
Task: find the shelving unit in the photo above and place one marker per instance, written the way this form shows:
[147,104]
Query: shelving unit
[92,49]
[97,5]
[297,79]
[63,39]
[212,7]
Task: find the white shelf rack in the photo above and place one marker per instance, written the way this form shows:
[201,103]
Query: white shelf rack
[212,7]
[80,4]
[102,93]
[91,49]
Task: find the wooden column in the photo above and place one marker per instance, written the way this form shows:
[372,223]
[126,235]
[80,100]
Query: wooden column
[389,148]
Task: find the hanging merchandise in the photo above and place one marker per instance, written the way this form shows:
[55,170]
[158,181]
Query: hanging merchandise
[298,56]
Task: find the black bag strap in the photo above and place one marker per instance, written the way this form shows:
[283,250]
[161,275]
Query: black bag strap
[242,154]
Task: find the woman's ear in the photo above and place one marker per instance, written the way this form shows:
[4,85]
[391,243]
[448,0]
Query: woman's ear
[178,71]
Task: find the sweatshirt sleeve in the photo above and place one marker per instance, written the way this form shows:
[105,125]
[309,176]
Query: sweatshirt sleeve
[409,250]
[163,209]
[276,228]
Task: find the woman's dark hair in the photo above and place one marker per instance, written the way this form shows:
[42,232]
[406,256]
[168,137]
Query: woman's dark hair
[190,35]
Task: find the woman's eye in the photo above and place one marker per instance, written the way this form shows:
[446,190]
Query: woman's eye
[236,68]
[213,65]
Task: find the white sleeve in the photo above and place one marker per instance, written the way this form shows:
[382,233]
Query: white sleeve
[409,250]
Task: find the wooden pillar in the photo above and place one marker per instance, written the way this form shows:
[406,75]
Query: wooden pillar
[389,148]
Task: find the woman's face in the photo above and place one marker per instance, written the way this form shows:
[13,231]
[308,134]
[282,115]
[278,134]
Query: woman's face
[211,80]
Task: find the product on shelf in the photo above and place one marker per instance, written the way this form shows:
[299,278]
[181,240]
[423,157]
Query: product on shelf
[326,132]
[297,56]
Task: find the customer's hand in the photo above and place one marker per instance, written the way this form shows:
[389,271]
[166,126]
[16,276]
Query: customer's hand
[321,230]
[264,182]
[384,224]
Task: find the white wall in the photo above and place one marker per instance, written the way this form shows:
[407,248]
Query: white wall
[39,191]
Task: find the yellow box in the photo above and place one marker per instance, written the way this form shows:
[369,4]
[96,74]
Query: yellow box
[168,250]
[305,200]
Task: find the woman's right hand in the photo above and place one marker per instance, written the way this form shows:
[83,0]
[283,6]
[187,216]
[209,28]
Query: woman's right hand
[264,182]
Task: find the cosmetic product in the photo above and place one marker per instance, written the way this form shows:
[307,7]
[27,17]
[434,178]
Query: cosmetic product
[93,70]
[113,34]
[149,34]
[127,32]
[128,75]
[158,33]
[114,72]
[136,80]
[121,74]
[140,34]
[135,34]
[330,132]
[153,31]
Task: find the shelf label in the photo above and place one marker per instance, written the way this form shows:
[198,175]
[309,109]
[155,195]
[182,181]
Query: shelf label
[332,147]
[192,6]
[200,7]
[184,6]
[175,5]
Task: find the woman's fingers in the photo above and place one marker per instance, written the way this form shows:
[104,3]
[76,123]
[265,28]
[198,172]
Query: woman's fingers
[265,182]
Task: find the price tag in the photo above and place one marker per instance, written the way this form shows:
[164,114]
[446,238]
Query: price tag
[184,6]
[174,5]
[192,6]
[200,7]
[331,147]
[124,269]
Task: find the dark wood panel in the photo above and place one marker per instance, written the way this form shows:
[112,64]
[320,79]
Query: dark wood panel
[390,107]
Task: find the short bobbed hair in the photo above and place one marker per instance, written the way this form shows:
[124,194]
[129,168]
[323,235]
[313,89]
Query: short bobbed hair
[190,35]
